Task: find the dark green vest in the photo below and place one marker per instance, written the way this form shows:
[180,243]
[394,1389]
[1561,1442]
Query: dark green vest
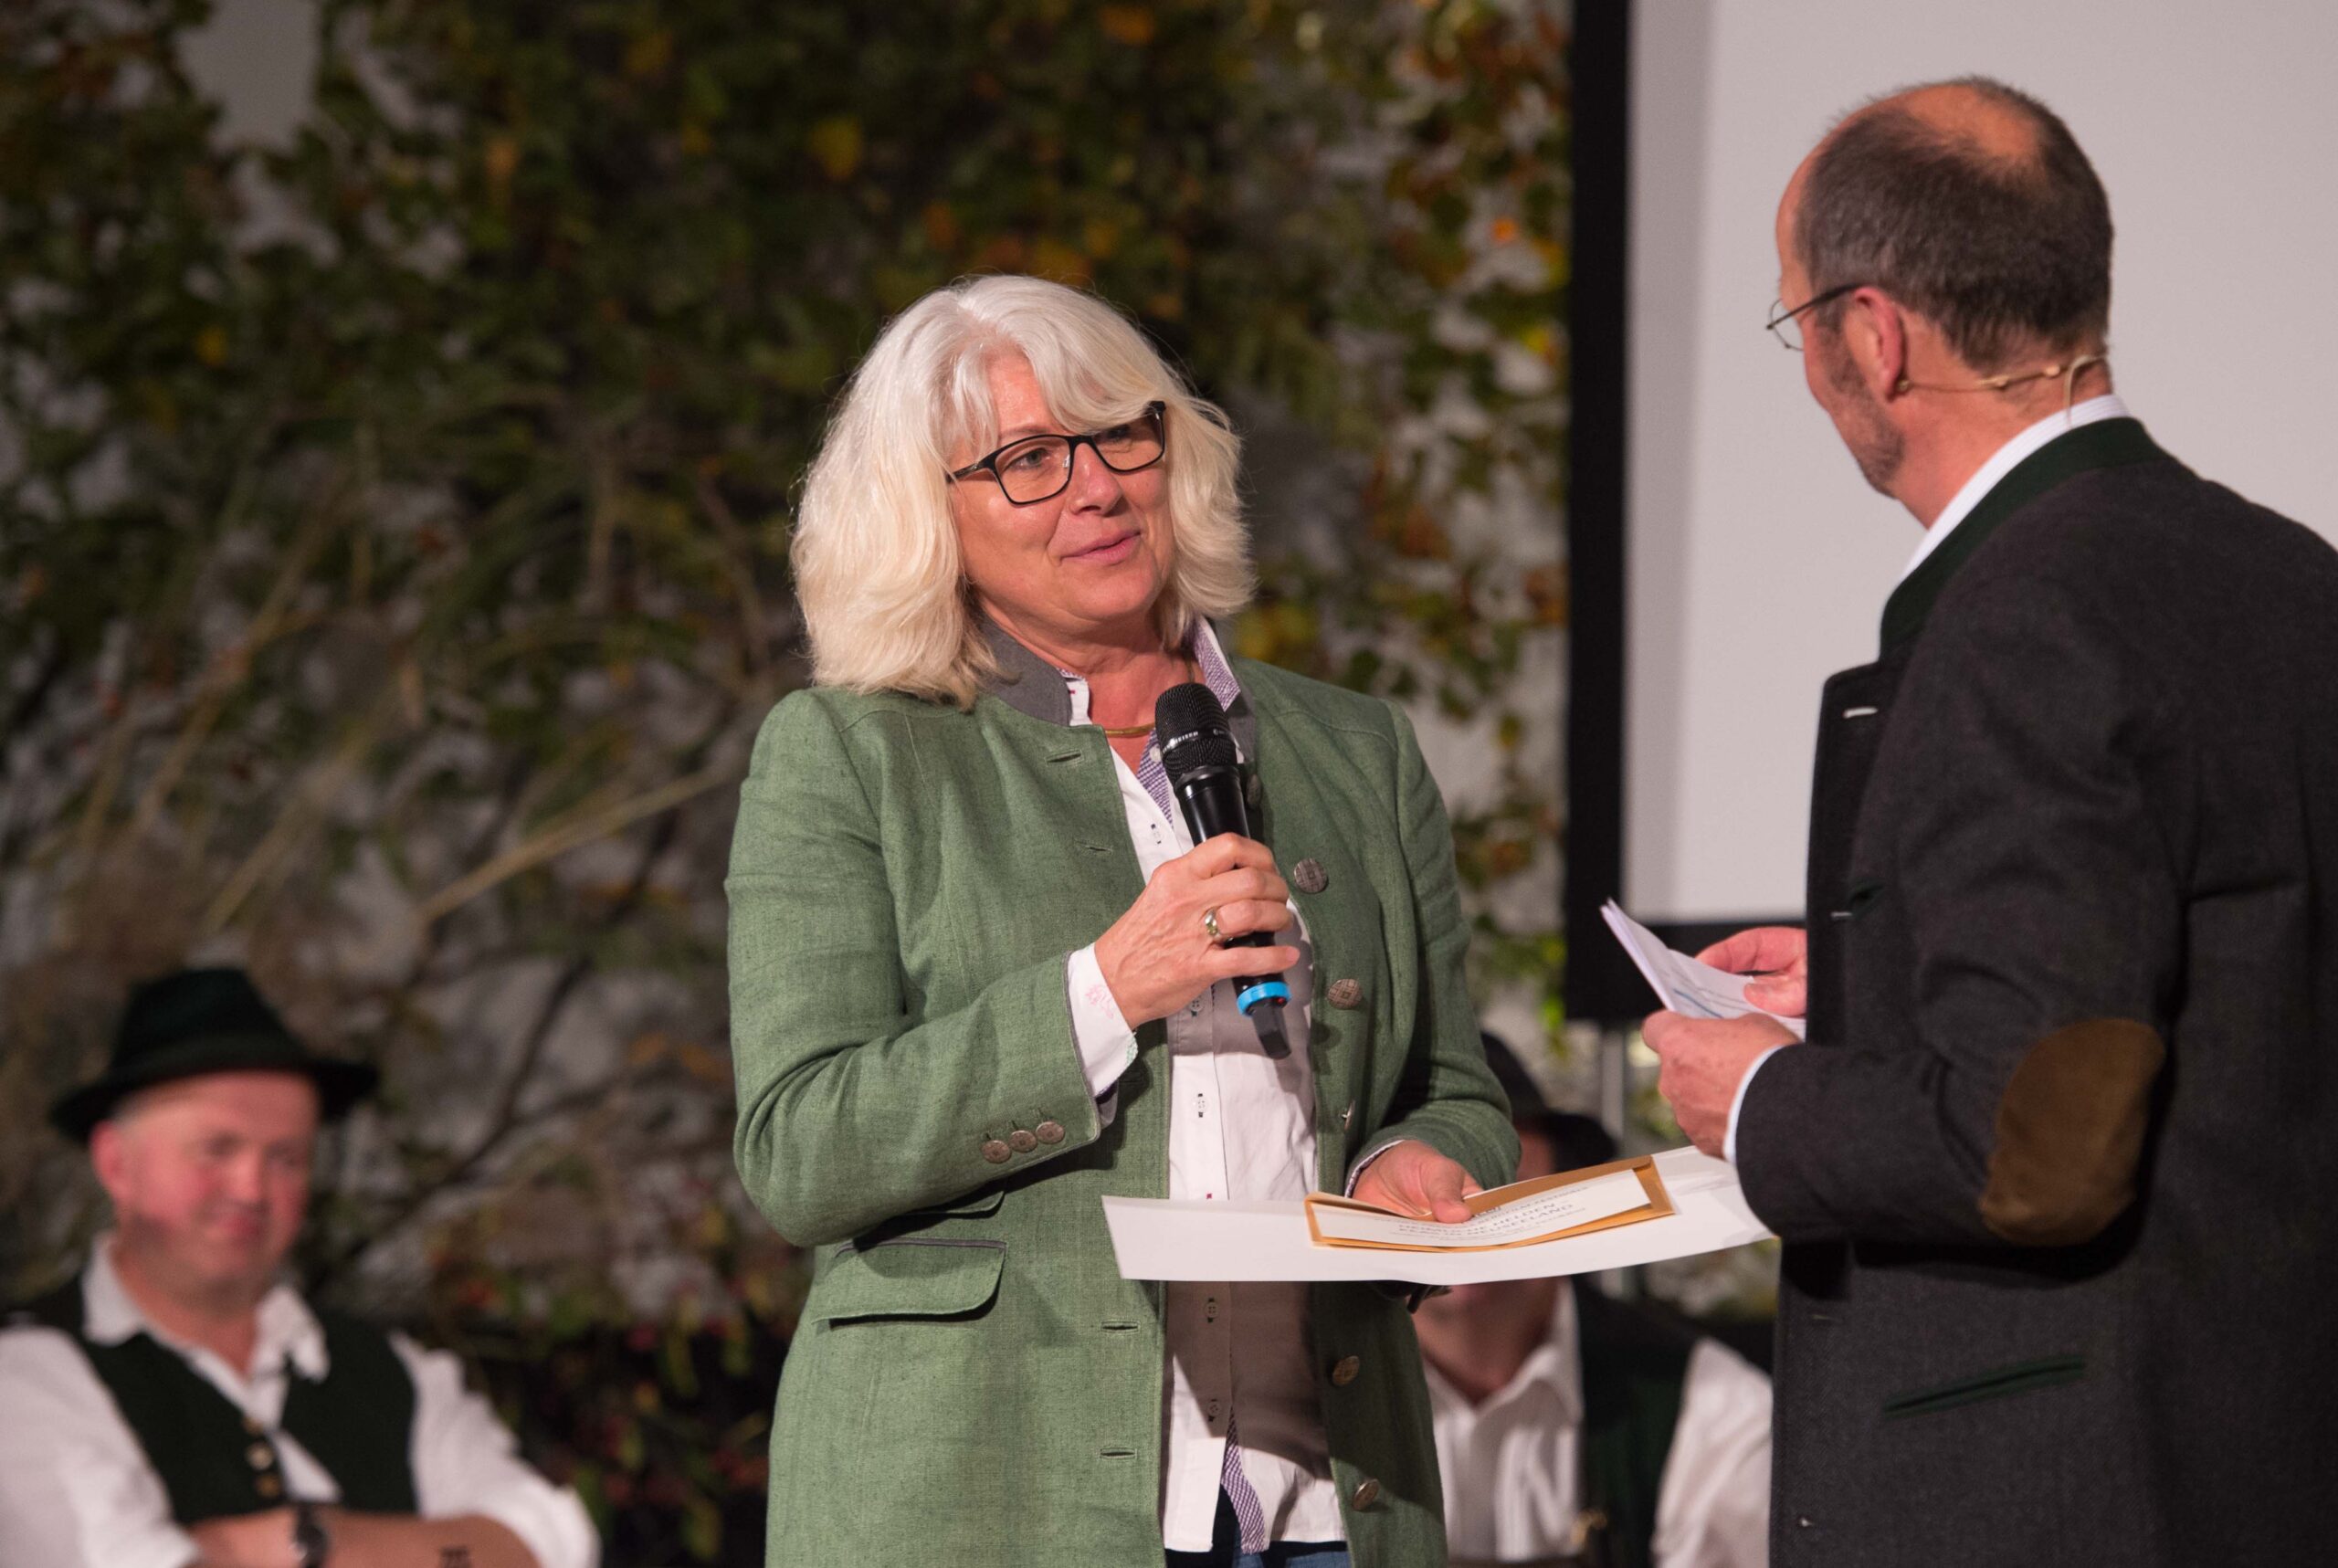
[358,1423]
[1633,1365]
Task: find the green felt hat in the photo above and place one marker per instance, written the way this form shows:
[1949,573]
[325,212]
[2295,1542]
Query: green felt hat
[204,1021]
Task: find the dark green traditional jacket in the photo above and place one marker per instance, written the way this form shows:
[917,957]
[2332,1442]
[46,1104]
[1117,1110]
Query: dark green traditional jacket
[2053,1169]
[356,1421]
[974,1383]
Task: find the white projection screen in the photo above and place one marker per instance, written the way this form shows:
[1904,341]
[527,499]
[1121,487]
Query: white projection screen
[1756,560]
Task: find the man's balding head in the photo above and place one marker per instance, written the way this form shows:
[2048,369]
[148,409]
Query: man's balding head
[1995,122]
[1968,202]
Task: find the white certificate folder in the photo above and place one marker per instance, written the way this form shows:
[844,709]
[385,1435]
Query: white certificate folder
[1154,1238]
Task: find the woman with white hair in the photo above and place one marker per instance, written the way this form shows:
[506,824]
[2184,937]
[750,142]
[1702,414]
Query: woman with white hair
[980,982]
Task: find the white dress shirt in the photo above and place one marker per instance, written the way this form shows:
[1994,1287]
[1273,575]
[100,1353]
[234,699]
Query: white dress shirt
[1241,1130]
[1986,477]
[77,1490]
[1513,1465]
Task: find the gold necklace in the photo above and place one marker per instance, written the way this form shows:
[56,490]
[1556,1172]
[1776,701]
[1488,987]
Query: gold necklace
[1123,731]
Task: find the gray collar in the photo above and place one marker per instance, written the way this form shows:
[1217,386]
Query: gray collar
[1025,681]
[1034,688]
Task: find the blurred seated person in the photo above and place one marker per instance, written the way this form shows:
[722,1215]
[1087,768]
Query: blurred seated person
[175,1404]
[1573,1428]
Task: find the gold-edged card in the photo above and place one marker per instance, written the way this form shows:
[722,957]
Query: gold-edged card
[1657,1203]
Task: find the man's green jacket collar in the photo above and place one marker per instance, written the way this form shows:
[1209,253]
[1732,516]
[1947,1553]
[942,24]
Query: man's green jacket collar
[2106,444]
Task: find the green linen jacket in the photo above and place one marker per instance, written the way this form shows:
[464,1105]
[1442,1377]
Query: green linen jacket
[972,1382]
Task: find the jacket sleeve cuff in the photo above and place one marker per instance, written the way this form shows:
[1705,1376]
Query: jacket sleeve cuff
[1355,1173]
[1103,1039]
[1737,1104]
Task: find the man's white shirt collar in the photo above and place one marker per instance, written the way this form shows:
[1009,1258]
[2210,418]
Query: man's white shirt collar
[1553,1371]
[2004,461]
[287,1328]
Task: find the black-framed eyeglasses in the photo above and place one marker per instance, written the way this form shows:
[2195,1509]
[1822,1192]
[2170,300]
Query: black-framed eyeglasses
[1038,467]
[1782,324]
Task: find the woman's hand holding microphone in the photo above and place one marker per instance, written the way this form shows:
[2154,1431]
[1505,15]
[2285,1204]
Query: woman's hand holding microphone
[1162,953]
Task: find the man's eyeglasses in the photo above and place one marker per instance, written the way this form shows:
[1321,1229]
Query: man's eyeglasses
[1786,329]
[1038,467]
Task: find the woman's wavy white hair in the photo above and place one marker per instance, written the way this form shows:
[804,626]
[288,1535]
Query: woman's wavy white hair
[878,569]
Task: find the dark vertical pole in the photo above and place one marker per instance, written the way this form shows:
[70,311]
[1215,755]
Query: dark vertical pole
[1600,984]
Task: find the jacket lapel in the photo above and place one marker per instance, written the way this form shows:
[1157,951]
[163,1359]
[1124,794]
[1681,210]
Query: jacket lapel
[1294,819]
[1853,713]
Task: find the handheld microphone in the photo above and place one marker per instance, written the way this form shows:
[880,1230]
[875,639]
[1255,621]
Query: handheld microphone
[1199,754]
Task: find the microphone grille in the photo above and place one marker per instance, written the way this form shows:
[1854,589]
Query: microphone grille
[1184,709]
[1190,729]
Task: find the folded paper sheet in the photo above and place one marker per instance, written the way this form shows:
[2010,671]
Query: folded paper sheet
[1682,983]
[1543,1209]
[1155,1239]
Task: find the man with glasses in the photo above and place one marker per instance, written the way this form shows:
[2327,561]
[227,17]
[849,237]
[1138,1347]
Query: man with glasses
[2051,1169]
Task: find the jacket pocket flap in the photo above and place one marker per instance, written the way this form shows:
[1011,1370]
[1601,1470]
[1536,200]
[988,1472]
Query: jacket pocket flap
[972,1206]
[1996,1384]
[915,1277]
[1856,899]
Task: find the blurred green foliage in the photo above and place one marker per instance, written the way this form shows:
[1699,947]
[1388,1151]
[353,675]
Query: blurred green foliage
[393,527]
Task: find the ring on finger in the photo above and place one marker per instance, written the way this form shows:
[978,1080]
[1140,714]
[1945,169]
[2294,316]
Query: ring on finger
[1209,924]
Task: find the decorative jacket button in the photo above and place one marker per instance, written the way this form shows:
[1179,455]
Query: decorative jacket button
[995,1151]
[1048,1132]
[1250,790]
[1308,877]
[1022,1140]
[262,1457]
[267,1486]
[1366,1493]
[1344,1371]
[1347,1115]
[1346,993]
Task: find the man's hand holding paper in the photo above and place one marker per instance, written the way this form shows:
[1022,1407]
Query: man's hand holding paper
[1776,962]
[1705,1062]
[1725,1010]
[1759,967]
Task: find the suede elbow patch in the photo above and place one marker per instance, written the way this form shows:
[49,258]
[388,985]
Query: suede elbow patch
[2070,1132]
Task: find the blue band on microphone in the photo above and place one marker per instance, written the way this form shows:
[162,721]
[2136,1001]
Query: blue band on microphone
[1262,990]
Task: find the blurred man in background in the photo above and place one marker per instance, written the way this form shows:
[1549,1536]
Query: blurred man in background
[1572,1428]
[176,1404]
